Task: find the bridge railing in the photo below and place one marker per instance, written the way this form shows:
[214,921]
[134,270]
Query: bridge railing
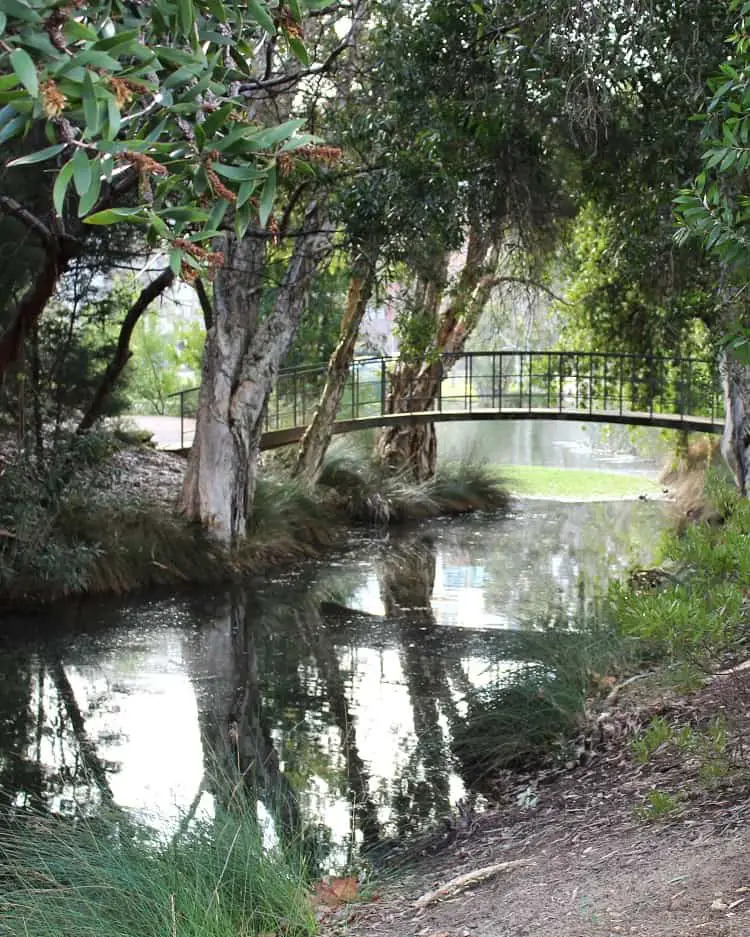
[518,381]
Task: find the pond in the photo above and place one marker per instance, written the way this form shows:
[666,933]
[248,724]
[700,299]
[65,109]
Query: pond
[334,689]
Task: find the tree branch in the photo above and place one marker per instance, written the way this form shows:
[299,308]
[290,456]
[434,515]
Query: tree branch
[122,353]
[16,210]
[490,282]
[205,300]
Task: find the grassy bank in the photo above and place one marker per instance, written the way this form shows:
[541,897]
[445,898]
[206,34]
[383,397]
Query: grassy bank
[574,484]
[64,533]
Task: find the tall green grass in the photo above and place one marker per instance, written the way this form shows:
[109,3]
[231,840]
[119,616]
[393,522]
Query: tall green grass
[701,614]
[531,715]
[60,878]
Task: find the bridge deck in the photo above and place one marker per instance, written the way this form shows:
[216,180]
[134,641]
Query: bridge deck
[636,390]
[273,439]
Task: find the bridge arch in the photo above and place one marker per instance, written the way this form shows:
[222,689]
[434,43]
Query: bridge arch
[592,387]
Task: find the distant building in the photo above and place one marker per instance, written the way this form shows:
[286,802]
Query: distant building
[377,333]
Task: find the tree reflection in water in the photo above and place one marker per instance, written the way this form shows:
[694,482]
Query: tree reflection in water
[336,723]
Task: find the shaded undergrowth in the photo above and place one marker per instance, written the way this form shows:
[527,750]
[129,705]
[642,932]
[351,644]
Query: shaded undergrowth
[698,613]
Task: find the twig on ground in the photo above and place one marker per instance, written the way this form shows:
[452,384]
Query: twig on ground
[468,878]
[611,697]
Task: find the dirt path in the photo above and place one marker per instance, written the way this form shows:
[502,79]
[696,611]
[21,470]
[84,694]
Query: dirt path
[591,860]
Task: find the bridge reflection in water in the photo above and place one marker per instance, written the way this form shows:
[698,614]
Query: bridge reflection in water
[638,390]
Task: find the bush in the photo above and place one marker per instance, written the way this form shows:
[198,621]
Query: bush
[701,615]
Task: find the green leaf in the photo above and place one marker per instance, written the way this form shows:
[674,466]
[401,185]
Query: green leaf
[3,22]
[159,225]
[91,111]
[236,173]
[184,214]
[217,214]
[73,29]
[300,140]
[39,156]
[93,59]
[214,121]
[267,197]
[245,191]
[61,186]
[261,16]
[186,15]
[217,8]
[113,215]
[267,139]
[13,127]
[81,172]
[298,50]
[8,81]
[175,261]
[19,10]
[91,197]
[243,217]
[113,119]
[23,66]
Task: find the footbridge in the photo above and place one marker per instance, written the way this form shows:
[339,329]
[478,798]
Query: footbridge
[637,390]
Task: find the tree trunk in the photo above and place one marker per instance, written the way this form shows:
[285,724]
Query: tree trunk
[240,363]
[317,438]
[735,443]
[415,386]
[31,307]
[122,352]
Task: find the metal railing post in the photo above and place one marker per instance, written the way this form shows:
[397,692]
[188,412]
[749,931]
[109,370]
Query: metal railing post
[382,387]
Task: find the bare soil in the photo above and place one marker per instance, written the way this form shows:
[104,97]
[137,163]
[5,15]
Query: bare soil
[598,861]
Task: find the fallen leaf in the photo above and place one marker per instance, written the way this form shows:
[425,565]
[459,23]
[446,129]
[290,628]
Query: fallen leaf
[335,892]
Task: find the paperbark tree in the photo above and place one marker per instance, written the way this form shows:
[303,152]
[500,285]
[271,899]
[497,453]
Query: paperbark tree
[446,310]
[317,438]
[242,356]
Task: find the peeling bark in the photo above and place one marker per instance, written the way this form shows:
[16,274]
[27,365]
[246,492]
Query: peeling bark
[317,438]
[241,360]
[735,442]
[415,385]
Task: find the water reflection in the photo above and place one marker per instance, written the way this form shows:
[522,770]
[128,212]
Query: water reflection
[331,698]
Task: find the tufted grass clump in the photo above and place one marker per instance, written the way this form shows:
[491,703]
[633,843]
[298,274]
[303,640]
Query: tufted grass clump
[532,715]
[93,878]
[373,493]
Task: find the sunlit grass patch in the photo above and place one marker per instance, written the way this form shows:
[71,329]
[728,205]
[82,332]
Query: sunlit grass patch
[574,484]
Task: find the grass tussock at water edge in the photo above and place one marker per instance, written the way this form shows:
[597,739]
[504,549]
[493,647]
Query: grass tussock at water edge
[89,878]
[61,534]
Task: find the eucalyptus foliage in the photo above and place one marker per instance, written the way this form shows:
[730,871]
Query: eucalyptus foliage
[150,101]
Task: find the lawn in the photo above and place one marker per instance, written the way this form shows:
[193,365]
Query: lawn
[537,481]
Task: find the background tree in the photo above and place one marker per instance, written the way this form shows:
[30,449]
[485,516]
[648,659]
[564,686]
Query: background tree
[713,213]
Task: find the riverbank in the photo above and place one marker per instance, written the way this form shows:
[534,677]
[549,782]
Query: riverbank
[614,846]
[634,819]
[113,524]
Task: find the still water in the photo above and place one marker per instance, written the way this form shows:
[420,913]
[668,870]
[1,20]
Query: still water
[336,689]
